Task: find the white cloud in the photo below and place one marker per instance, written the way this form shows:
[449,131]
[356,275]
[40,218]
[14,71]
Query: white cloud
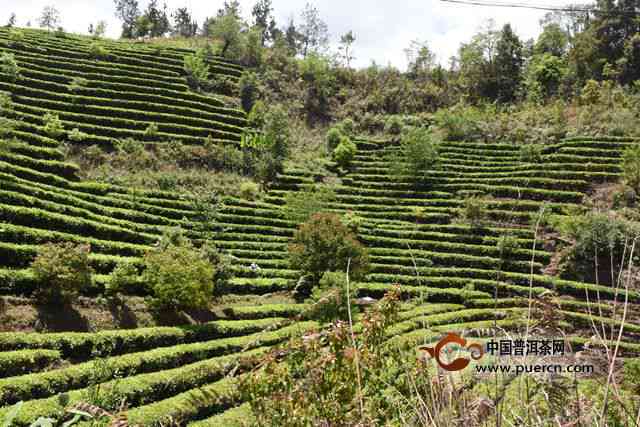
[382,28]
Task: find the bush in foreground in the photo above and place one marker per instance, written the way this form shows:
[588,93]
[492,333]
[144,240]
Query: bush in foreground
[61,272]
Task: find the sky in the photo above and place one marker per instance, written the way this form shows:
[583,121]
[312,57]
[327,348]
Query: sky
[383,29]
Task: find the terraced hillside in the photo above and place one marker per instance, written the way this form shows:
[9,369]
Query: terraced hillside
[414,238]
[453,270]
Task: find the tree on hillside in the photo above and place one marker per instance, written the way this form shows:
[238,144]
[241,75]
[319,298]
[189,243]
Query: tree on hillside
[292,37]
[154,21]
[50,18]
[263,18]
[227,29]
[420,58]
[553,40]
[100,29]
[12,21]
[230,8]
[314,33]
[346,50]
[508,64]
[183,23]
[477,72]
[128,12]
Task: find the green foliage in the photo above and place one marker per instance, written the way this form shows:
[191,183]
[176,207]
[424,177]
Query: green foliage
[77,135]
[334,135]
[253,48]
[121,279]
[9,66]
[197,70]
[631,166]
[227,29]
[61,271]
[330,299]
[98,51]
[458,124]
[256,116]
[151,131]
[53,125]
[393,125]
[334,378]
[6,104]
[531,153]
[249,190]
[16,37]
[590,94]
[248,90]
[301,205]
[352,221]
[348,127]
[474,211]
[507,246]
[544,76]
[316,71]
[324,243]
[345,152]
[418,154]
[128,145]
[600,238]
[180,276]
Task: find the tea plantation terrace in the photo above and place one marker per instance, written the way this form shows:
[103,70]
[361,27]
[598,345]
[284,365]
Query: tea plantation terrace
[412,231]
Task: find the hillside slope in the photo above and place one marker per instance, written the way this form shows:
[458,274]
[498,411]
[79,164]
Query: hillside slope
[456,271]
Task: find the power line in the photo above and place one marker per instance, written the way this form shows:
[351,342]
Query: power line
[538,7]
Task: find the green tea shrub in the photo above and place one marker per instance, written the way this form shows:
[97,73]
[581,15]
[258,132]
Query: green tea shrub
[180,276]
[197,70]
[393,125]
[345,152]
[98,51]
[301,205]
[418,154]
[151,131]
[61,271]
[597,238]
[248,84]
[531,153]
[256,116]
[631,166]
[9,67]
[249,190]
[330,301]
[474,211]
[324,243]
[333,137]
[76,135]
[53,125]
[121,279]
[348,127]
[16,37]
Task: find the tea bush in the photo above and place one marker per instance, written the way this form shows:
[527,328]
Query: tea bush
[345,152]
[197,70]
[631,166]
[61,271]
[474,211]
[330,301]
[9,66]
[418,154]
[53,125]
[324,243]
[300,205]
[180,276]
